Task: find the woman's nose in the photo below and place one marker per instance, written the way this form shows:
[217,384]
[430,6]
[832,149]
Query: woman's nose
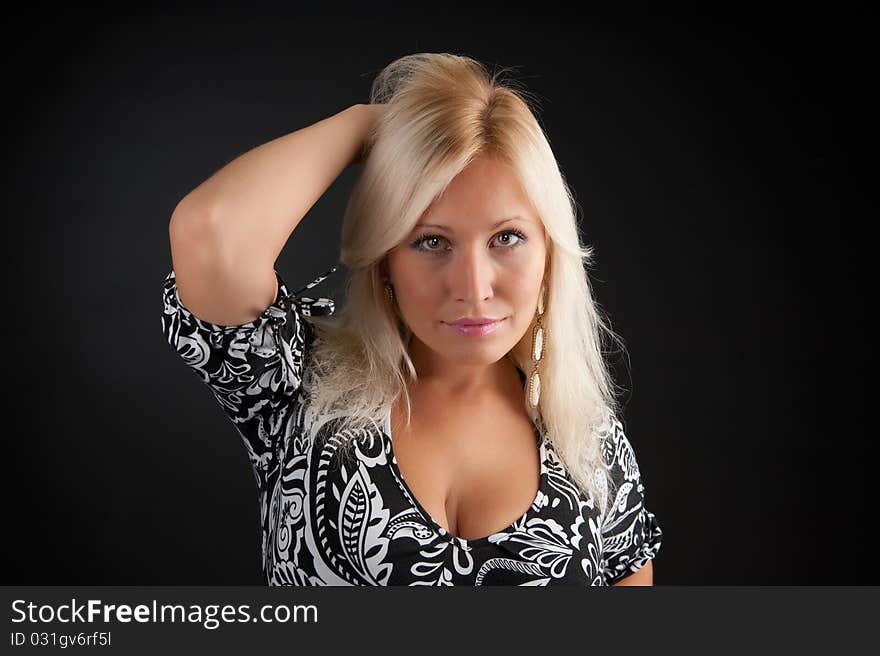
[473,277]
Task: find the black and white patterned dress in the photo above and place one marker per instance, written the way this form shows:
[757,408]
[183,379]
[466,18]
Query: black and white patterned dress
[334,525]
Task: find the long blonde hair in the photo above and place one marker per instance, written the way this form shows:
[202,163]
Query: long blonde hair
[443,110]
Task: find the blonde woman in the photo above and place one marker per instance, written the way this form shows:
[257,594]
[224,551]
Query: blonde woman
[454,423]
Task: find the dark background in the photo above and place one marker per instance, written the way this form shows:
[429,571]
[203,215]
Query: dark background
[716,162]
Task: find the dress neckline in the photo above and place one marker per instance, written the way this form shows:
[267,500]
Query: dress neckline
[438,528]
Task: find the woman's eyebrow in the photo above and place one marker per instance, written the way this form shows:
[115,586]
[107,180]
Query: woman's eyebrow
[448,229]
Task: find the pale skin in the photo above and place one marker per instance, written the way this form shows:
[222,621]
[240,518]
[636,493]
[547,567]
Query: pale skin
[476,266]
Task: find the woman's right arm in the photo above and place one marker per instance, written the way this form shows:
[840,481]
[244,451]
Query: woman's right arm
[227,233]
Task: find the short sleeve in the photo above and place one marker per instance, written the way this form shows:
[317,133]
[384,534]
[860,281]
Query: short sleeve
[253,370]
[631,535]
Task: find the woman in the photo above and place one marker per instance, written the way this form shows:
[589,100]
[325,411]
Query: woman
[454,423]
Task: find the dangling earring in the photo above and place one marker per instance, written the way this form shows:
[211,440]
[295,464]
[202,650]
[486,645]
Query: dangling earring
[538,350]
[390,291]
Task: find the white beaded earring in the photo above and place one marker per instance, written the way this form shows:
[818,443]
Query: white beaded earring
[538,350]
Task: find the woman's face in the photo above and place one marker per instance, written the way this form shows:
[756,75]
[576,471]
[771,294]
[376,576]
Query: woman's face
[468,257]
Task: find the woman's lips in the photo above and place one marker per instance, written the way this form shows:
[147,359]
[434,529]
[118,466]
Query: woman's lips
[475,330]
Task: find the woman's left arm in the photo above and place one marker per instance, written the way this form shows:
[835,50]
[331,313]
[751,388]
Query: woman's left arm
[644,576]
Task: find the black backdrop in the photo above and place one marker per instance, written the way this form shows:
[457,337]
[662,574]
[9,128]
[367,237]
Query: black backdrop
[716,164]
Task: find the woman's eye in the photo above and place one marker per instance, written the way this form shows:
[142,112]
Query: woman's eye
[518,238]
[427,243]
[431,241]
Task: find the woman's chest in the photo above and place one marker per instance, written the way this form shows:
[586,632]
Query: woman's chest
[331,523]
[473,473]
